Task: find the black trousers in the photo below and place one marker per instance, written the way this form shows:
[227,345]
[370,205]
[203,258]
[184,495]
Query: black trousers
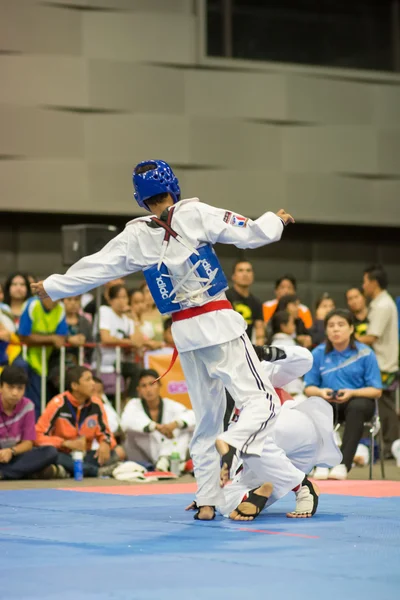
[354,413]
[90,463]
[25,465]
[389,419]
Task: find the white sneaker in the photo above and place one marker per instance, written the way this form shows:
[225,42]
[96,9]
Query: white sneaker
[338,472]
[321,473]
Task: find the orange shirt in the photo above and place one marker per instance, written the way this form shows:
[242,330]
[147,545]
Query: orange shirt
[304,314]
[63,419]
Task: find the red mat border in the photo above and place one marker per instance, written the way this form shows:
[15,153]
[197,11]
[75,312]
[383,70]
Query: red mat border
[367,489]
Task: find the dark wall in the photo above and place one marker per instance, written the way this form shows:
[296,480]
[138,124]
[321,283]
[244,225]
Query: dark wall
[322,257]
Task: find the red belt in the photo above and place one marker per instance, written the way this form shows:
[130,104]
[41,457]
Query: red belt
[189,313]
[195,311]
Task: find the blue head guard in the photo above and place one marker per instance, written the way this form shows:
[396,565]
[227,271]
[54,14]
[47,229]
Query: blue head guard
[152,177]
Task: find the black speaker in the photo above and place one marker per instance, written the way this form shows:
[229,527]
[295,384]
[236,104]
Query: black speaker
[81,240]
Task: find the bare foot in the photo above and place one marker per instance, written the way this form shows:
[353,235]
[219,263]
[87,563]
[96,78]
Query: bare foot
[306,502]
[249,510]
[223,448]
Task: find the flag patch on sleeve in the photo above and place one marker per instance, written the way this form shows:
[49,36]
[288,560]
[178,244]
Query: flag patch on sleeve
[235,220]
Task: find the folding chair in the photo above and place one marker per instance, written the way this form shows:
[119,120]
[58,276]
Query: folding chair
[375,429]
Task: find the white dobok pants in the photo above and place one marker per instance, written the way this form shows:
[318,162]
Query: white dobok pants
[304,432]
[235,366]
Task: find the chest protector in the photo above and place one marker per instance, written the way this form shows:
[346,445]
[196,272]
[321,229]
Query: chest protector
[203,281]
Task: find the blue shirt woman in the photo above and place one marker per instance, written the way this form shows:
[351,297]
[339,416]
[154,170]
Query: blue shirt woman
[346,374]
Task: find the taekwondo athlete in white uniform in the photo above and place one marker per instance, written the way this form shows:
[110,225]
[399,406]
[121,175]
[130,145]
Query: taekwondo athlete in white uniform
[303,431]
[174,249]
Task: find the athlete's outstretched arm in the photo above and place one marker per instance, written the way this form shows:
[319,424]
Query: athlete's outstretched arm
[113,261]
[226,227]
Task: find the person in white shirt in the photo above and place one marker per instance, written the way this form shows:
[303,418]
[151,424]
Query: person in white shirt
[156,427]
[116,327]
[114,421]
[383,335]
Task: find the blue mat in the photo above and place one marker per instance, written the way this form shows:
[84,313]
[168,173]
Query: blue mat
[60,545]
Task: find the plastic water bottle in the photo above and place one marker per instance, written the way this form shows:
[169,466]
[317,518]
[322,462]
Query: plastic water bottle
[77,457]
[175,461]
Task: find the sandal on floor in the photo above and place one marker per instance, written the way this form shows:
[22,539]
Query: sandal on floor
[255,500]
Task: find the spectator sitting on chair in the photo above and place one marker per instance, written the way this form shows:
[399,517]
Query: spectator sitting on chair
[346,374]
[72,420]
[382,335]
[324,305]
[291,303]
[155,427]
[357,305]
[42,322]
[18,458]
[244,302]
[285,286]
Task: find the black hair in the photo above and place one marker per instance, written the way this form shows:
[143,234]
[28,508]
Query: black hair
[115,290]
[289,277]
[135,291]
[279,318]
[167,323]
[285,300]
[238,262]
[73,376]
[148,373]
[7,285]
[345,314]
[354,287]
[377,273]
[13,376]
[324,296]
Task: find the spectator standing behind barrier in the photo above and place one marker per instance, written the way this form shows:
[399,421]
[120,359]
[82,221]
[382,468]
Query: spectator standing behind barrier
[79,331]
[284,286]
[116,327]
[357,305]
[323,306]
[16,292]
[7,328]
[136,311]
[42,322]
[151,313]
[91,307]
[73,420]
[245,303]
[346,374]
[382,335]
[18,458]
[155,427]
